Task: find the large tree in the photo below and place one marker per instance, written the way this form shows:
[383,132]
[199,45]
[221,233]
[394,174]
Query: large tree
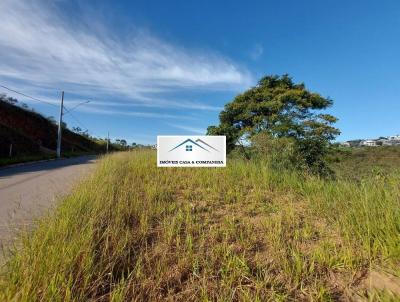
[281,108]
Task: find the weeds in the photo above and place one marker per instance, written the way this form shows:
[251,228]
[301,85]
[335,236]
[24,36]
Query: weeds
[133,231]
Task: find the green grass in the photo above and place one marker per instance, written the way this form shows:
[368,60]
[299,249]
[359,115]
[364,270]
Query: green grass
[366,162]
[32,158]
[133,231]
[24,158]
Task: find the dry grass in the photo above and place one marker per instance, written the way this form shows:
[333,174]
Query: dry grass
[366,162]
[244,233]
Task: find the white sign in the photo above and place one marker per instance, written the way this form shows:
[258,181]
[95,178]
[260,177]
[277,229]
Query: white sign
[191,151]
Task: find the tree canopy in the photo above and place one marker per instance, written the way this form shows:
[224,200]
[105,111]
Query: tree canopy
[280,107]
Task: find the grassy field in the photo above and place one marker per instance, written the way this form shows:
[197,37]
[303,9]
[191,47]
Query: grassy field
[135,232]
[358,163]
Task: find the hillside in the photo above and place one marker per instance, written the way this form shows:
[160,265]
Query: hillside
[30,133]
[366,162]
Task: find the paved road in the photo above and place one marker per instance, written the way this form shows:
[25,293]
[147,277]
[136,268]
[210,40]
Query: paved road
[26,191]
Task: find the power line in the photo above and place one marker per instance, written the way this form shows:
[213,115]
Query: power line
[39,100]
[80,123]
[28,96]
[76,106]
[61,113]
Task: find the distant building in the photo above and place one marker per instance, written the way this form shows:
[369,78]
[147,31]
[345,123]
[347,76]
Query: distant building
[381,141]
[354,143]
[393,140]
[369,143]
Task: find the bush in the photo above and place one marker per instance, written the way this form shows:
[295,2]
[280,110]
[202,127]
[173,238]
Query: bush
[309,155]
[280,152]
[313,153]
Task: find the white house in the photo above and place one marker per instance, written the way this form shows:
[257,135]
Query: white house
[394,138]
[392,141]
[369,143]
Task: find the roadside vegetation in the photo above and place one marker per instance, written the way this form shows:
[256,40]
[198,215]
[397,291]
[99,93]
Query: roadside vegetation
[24,159]
[10,161]
[133,231]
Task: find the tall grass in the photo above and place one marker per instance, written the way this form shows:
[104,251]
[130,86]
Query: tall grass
[133,231]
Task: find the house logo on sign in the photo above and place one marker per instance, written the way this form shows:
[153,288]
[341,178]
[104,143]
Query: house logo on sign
[192,151]
[198,143]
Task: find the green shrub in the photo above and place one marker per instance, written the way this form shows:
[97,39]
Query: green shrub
[307,155]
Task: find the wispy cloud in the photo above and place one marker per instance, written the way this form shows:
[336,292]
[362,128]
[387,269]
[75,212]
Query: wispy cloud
[159,103]
[189,129]
[41,51]
[134,113]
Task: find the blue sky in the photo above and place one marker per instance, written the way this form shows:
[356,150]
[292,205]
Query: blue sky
[167,67]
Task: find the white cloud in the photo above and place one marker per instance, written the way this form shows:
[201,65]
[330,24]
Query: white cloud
[160,103]
[189,129]
[41,52]
[133,113]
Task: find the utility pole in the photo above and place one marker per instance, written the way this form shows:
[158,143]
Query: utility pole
[108,139]
[60,126]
